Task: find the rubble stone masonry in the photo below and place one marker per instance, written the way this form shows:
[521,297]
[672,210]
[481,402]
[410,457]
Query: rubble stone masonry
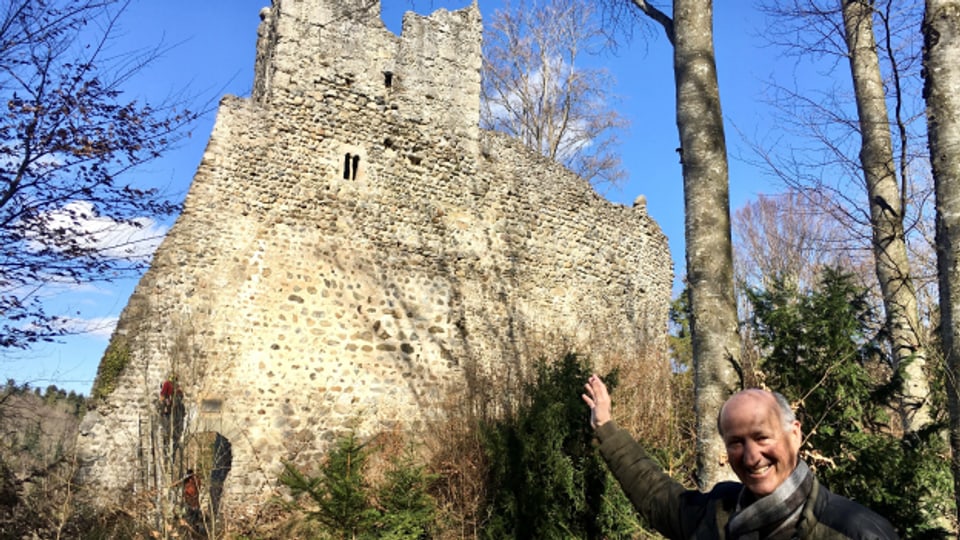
[354,252]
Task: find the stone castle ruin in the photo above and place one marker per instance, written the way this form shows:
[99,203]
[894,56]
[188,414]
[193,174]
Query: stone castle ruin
[355,252]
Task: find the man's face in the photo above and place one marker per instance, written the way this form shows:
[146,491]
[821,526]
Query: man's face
[761,450]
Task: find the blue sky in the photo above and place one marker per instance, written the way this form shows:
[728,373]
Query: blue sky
[213,54]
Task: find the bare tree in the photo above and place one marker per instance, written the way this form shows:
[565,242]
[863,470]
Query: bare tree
[69,213]
[788,236]
[941,33]
[886,201]
[536,88]
[866,158]
[709,252]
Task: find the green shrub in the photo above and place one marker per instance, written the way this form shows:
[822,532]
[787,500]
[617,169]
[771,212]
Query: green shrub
[346,505]
[406,509]
[547,480]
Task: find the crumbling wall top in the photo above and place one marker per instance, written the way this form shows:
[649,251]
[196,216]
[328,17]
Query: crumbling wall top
[431,72]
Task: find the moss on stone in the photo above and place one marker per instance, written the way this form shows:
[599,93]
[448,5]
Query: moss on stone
[115,360]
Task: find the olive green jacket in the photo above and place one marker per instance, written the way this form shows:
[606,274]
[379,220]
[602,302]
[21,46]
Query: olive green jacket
[679,513]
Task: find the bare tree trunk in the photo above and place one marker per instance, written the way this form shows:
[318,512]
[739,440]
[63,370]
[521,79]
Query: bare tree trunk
[709,251]
[706,190]
[886,213]
[941,32]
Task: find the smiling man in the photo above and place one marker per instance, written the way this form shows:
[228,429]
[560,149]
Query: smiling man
[777,497]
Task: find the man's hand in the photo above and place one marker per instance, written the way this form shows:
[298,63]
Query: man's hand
[598,399]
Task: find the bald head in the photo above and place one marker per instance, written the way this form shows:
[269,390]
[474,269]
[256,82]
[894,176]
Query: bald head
[776,400]
[762,438]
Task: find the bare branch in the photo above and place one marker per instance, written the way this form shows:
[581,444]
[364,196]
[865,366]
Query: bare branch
[660,17]
[67,140]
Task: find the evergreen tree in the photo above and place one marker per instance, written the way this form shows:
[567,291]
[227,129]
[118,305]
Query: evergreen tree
[347,506]
[546,479]
[339,492]
[407,509]
[822,350]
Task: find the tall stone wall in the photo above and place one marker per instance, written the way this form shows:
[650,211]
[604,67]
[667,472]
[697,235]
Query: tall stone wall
[354,253]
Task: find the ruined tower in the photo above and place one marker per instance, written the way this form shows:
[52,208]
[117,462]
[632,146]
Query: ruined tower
[355,252]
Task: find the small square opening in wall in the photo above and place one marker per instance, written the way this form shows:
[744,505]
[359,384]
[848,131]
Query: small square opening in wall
[388,79]
[211,405]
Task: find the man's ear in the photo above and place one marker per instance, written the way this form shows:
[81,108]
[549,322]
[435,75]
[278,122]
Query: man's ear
[796,434]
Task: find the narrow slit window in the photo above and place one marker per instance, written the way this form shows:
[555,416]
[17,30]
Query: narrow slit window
[388,79]
[346,166]
[356,165]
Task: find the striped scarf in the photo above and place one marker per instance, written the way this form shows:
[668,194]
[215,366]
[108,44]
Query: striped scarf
[776,515]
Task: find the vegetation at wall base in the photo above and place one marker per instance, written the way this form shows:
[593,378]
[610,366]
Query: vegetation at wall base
[38,496]
[544,477]
[346,505]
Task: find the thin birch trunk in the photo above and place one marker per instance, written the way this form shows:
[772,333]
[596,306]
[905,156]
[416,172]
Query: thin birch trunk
[886,214]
